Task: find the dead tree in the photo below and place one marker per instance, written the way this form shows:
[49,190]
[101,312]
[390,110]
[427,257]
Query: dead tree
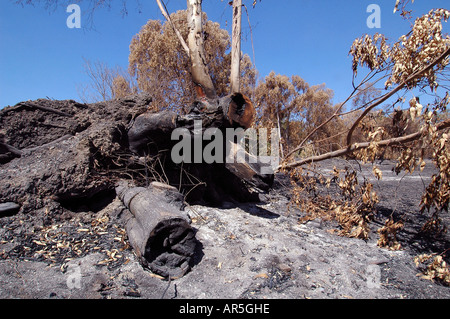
[149,133]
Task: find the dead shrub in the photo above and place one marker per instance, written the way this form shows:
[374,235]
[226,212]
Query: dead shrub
[433,267]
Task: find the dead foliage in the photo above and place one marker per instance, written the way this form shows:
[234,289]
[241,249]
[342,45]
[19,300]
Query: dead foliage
[433,267]
[352,209]
[406,129]
[59,243]
[388,234]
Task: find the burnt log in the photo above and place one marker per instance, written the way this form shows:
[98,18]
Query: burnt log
[248,167]
[7,209]
[239,111]
[158,230]
[150,130]
[8,152]
[151,134]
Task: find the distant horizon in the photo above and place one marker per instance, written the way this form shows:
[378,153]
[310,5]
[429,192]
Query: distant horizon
[41,57]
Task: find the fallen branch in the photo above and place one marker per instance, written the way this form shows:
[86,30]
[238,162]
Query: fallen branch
[42,108]
[5,148]
[8,208]
[11,149]
[336,113]
[358,146]
[158,230]
[52,143]
[390,94]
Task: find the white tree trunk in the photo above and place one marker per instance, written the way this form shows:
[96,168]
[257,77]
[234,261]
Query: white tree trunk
[200,75]
[236,47]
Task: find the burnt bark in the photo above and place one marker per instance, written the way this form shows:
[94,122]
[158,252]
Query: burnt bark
[158,230]
[150,132]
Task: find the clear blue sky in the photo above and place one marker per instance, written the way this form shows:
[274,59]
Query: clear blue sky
[41,57]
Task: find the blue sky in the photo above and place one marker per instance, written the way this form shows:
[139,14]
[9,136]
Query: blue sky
[41,57]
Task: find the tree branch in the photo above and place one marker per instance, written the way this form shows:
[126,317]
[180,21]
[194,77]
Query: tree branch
[11,149]
[337,113]
[390,94]
[358,146]
[42,108]
[163,9]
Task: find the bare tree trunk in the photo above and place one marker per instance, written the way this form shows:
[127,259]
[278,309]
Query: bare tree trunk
[279,134]
[200,75]
[236,47]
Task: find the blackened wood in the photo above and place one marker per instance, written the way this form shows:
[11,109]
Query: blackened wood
[248,167]
[9,208]
[240,111]
[150,134]
[159,232]
[151,130]
[40,107]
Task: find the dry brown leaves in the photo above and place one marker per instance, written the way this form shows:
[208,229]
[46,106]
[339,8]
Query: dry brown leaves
[388,234]
[433,267]
[58,244]
[411,53]
[352,210]
[162,68]
[416,60]
[437,194]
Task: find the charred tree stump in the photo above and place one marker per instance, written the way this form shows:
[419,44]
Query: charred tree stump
[158,231]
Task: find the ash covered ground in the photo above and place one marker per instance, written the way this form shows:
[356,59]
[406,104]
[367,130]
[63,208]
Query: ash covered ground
[247,251]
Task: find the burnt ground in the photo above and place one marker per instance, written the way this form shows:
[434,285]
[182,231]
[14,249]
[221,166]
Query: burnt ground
[67,239]
[246,251]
